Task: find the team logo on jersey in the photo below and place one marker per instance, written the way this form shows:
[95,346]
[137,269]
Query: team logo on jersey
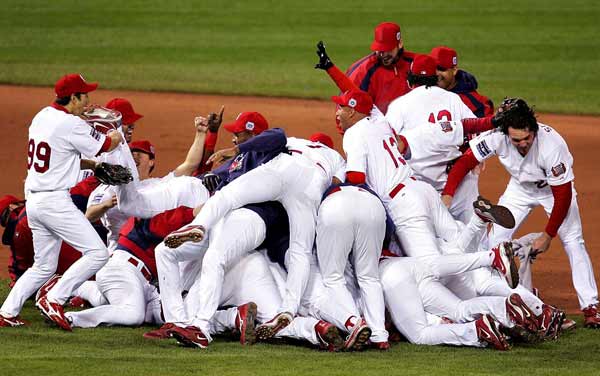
[559,169]
[483,148]
[446,126]
[249,125]
[237,163]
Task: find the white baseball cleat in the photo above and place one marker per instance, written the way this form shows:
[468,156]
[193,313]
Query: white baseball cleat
[504,262]
[190,233]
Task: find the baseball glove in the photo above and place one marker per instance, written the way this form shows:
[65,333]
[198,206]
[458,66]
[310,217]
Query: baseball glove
[111,174]
[102,119]
[511,113]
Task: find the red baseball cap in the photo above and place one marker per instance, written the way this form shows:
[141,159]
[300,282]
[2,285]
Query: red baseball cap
[5,201]
[423,65]
[144,146]
[387,36]
[445,57]
[71,84]
[322,138]
[126,109]
[248,121]
[357,99]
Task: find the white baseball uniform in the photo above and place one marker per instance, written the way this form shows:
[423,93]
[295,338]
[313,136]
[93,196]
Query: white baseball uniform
[548,163]
[351,222]
[297,181]
[56,141]
[113,219]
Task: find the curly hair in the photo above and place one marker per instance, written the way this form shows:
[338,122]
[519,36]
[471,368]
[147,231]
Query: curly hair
[515,113]
[427,81]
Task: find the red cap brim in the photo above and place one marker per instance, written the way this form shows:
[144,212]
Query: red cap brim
[233,127]
[132,118]
[382,47]
[338,100]
[90,87]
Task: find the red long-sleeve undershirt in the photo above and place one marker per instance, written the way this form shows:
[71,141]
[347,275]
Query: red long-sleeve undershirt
[341,80]
[562,202]
[461,168]
[477,125]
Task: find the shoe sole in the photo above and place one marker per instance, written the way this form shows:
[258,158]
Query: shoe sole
[248,337]
[522,313]
[360,341]
[498,341]
[268,331]
[513,270]
[497,214]
[334,339]
[174,241]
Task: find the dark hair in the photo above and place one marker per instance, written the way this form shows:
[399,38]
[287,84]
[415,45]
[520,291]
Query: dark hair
[517,114]
[417,80]
[63,101]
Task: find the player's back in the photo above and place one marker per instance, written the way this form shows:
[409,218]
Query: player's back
[372,147]
[426,104]
[329,160]
[56,141]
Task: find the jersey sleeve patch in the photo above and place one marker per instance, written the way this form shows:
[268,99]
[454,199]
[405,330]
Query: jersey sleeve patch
[446,126]
[483,149]
[559,169]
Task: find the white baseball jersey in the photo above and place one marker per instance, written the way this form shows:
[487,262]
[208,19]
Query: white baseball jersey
[432,146]
[426,104]
[371,148]
[113,219]
[547,162]
[56,142]
[327,159]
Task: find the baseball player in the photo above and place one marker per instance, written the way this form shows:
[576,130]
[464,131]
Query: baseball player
[541,169]
[57,138]
[383,73]
[129,116]
[460,82]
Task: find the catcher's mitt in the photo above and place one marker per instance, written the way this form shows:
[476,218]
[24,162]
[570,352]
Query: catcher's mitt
[514,113]
[102,119]
[111,174]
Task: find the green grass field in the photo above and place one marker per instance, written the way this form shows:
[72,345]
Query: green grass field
[43,350]
[545,51]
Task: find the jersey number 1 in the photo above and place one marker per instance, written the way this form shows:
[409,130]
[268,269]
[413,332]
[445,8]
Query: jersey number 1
[38,157]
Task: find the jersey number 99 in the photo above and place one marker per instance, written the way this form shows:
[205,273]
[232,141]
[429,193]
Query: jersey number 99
[38,156]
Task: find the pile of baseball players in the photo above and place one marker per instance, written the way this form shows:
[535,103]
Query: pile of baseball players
[282,237]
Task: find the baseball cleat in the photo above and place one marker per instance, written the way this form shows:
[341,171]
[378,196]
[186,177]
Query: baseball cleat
[191,233]
[78,302]
[53,312]
[244,323]
[504,262]
[550,322]
[488,333]
[568,325]
[591,316]
[520,313]
[329,336]
[358,337]
[272,327]
[382,346]
[190,336]
[46,287]
[160,333]
[491,213]
[7,321]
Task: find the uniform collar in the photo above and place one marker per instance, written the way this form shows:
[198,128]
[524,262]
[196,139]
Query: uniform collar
[59,107]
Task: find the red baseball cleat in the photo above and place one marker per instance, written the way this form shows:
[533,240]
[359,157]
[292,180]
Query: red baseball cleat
[568,325]
[358,337]
[244,323]
[46,287]
[272,327]
[591,316]
[54,313]
[6,321]
[520,313]
[160,333]
[504,262]
[79,302]
[193,233]
[550,322]
[190,336]
[488,332]
[329,336]
[382,346]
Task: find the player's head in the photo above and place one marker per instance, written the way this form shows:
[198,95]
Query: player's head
[519,123]
[387,43]
[72,93]
[129,116]
[354,105]
[322,138]
[144,156]
[447,66]
[246,126]
[422,72]
[8,204]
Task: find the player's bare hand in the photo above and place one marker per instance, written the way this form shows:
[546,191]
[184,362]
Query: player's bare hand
[215,120]
[222,155]
[201,124]
[110,203]
[116,136]
[541,244]
[447,200]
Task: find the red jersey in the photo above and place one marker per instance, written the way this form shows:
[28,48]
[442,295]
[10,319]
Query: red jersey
[384,84]
[141,236]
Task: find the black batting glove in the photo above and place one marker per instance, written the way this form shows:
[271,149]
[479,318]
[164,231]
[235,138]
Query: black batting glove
[211,182]
[324,60]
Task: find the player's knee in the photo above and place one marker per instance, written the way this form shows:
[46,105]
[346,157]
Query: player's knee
[132,316]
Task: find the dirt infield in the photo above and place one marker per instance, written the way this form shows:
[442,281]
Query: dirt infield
[168,120]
